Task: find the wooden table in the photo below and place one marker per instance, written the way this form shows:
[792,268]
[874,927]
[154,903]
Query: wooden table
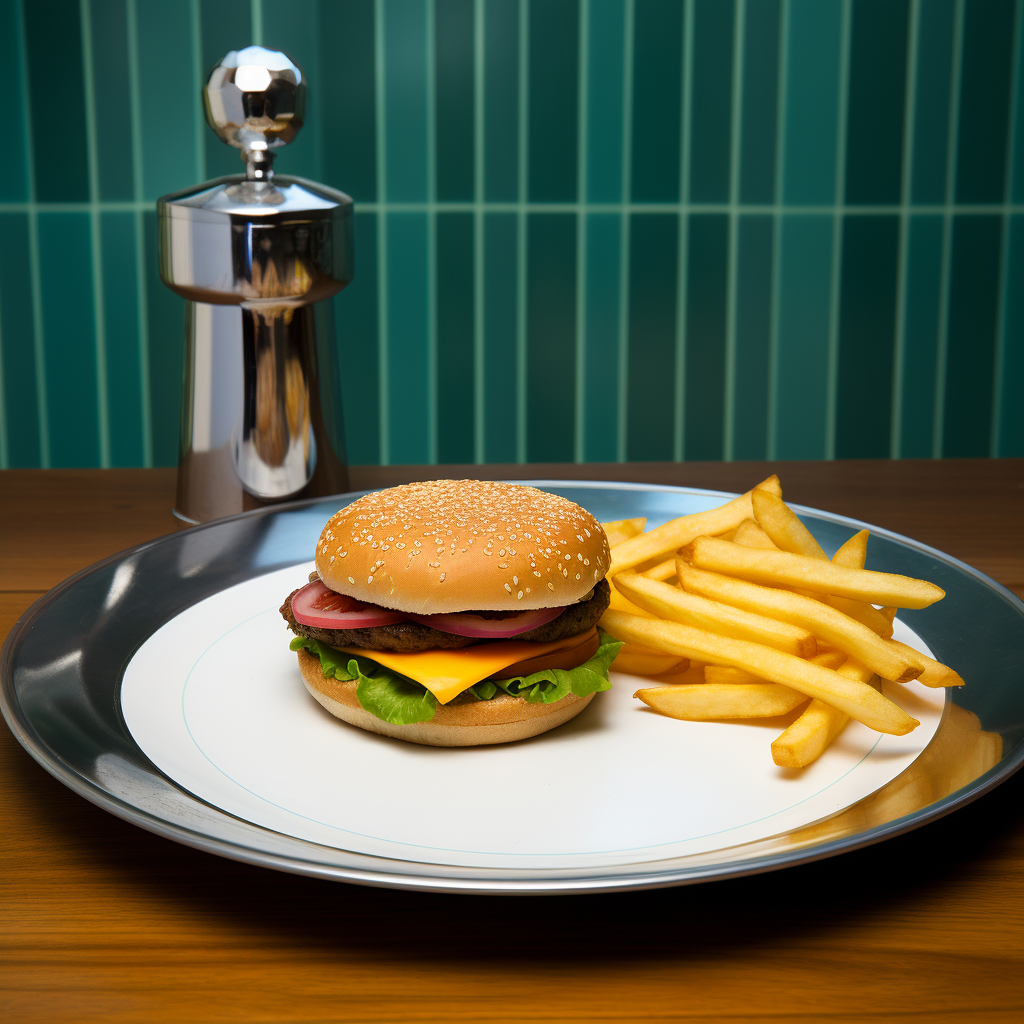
[101,921]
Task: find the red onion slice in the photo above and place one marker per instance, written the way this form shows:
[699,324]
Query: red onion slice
[318,605]
[467,624]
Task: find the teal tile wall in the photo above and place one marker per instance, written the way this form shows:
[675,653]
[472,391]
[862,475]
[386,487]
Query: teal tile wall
[586,229]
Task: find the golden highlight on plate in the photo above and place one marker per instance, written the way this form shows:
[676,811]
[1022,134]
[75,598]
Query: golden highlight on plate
[738,613]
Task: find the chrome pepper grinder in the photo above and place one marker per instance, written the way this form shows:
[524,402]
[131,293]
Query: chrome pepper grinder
[255,255]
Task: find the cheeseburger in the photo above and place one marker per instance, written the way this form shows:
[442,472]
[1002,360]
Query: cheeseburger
[455,613]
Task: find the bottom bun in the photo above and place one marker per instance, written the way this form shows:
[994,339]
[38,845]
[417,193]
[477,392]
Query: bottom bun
[501,720]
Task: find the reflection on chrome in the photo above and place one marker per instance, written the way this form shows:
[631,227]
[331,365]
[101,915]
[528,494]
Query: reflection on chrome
[120,583]
[960,752]
[256,257]
[35,675]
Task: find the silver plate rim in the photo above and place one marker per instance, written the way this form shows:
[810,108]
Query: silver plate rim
[303,860]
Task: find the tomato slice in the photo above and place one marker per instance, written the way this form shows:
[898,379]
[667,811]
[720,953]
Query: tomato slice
[317,605]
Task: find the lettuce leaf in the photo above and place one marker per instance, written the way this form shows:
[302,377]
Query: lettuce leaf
[399,700]
[391,697]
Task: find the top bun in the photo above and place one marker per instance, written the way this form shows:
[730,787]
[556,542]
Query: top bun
[463,545]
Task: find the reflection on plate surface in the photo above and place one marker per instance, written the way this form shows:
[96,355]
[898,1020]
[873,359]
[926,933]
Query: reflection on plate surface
[61,687]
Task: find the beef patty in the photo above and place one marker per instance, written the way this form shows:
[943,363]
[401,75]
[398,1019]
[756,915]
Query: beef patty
[411,636]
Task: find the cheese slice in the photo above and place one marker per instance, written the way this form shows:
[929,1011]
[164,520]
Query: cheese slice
[447,673]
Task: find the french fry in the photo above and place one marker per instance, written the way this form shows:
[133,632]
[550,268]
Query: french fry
[889,612]
[789,570]
[657,543]
[838,630]
[619,603]
[783,526]
[750,535]
[623,529]
[727,674]
[935,673]
[857,699]
[853,552]
[699,702]
[670,602]
[663,570]
[852,555]
[694,674]
[809,736]
[642,661]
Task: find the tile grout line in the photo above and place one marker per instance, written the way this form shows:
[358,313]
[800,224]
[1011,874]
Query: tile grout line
[432,345]
[682,243]
[741,209]
[1004,249]
[95,237]
[780,169]
[256,19]
[382,237]
[521,229]
[582,113]
[38,337]
[624,254]
[478,232]
[835,297]
[729,410]
[132,31]
[198,114]
[947,232]
[909,115]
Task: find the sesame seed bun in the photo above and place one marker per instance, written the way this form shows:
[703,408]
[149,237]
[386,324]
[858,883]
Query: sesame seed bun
[463,545]
[501,720]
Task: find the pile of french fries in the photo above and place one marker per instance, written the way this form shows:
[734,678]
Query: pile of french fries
[739,613]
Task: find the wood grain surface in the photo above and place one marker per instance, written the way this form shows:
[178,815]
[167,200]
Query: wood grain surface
[101,921]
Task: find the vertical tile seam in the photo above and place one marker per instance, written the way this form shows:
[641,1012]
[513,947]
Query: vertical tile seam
[431,101]
[835,298]
[98,310]
[38,336]
[135,109]
[256,20]
[479,454]
[682,257]
[1004,248]
[582,114]
[198,114]
[947,231]
[383,410]
[624,248]
[521,297]
[782,88]
[729,410]
[909,115]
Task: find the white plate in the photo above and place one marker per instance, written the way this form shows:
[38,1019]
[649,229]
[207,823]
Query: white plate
[215,699]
